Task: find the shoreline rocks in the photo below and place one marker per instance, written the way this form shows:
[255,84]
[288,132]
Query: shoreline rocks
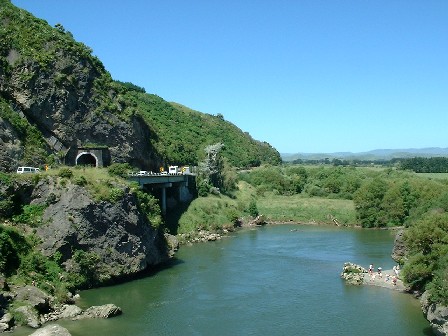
[37,308]
[355,274]
[51,330]
[436,314]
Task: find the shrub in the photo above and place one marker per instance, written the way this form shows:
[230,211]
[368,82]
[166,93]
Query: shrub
[203,188]
[80,180]
[232,215]
[9,256]
[31,214]
[87,274]
[6,207]
[65,173]
[5,178]
[116,194]
[119,169]
[149,205]
[253,210]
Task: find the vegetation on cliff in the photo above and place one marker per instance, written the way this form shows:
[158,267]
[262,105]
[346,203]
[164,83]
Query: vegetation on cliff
[23,231]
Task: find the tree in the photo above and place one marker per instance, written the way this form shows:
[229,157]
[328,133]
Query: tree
[368,202]
[210,170]
[427,243]
[253,209]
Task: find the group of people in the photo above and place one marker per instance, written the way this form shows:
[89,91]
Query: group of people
[393,278]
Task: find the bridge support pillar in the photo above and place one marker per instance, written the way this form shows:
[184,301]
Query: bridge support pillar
[163,200]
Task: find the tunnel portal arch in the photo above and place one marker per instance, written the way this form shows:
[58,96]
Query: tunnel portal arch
[86,159]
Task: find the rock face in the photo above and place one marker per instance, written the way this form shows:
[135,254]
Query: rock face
[436,314]
[10,147]
[60,88]
[399,248]
[118,233]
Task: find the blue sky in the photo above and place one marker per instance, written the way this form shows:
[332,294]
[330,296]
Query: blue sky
[303,75]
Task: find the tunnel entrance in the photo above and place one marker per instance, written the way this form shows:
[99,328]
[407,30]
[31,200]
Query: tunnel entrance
[86,159]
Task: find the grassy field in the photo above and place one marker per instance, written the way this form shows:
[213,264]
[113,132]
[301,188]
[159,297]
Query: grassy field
[307,209]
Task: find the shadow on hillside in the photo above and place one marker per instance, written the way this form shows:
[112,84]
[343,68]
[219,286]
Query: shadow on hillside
[173,216]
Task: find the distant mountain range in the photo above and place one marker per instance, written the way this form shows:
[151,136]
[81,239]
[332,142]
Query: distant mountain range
[376,154]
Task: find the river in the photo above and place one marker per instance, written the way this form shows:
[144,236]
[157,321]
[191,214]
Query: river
[274,280]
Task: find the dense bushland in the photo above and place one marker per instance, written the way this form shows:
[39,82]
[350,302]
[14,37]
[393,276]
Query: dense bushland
[425,165]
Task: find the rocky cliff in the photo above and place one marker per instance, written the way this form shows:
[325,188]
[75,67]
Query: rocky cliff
[54,84]
[116,232]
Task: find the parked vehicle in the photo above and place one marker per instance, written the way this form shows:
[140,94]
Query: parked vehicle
[27,170]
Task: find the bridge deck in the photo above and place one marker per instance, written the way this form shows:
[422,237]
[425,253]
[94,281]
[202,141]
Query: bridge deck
[158,178]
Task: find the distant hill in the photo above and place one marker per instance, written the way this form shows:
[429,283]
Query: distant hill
[374,155]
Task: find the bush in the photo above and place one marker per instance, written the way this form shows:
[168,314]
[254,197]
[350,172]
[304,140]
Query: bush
[119,169]
[9,256]
[438,288]
[31,214]
[6,207]
[426,241]
[253,210]
[80,180]
[149,205]
[116,194]
[203,188]
[232,215]
[65,173]
[87,275]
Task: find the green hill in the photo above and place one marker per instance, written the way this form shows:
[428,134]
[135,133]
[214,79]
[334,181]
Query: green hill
[52,89]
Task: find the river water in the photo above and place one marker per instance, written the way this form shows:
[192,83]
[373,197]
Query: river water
[275,280]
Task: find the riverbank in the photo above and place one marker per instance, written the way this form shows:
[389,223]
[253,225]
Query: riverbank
[357,275]
[385,280]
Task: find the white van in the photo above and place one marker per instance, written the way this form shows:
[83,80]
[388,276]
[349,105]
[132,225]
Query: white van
[27,170]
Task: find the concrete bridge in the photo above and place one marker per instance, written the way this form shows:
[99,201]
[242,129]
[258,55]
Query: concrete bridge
[178,183]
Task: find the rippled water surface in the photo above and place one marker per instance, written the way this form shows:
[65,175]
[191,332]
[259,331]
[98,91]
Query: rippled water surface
[276,280]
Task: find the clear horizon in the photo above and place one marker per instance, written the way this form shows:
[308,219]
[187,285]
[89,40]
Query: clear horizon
[305,76]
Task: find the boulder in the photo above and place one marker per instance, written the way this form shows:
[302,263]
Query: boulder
[51,330]
[438,318]
[399,249]
[63,312]
[34,297]
[172,244]
[30,315]
[104,311]
[353,274]
[6,322]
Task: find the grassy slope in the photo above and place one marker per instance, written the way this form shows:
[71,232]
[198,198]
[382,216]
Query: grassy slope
[298,208]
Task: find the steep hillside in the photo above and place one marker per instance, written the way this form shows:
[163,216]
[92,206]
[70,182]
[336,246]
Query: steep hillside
[55,95]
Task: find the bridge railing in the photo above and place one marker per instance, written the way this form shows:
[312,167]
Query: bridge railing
[147,173]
